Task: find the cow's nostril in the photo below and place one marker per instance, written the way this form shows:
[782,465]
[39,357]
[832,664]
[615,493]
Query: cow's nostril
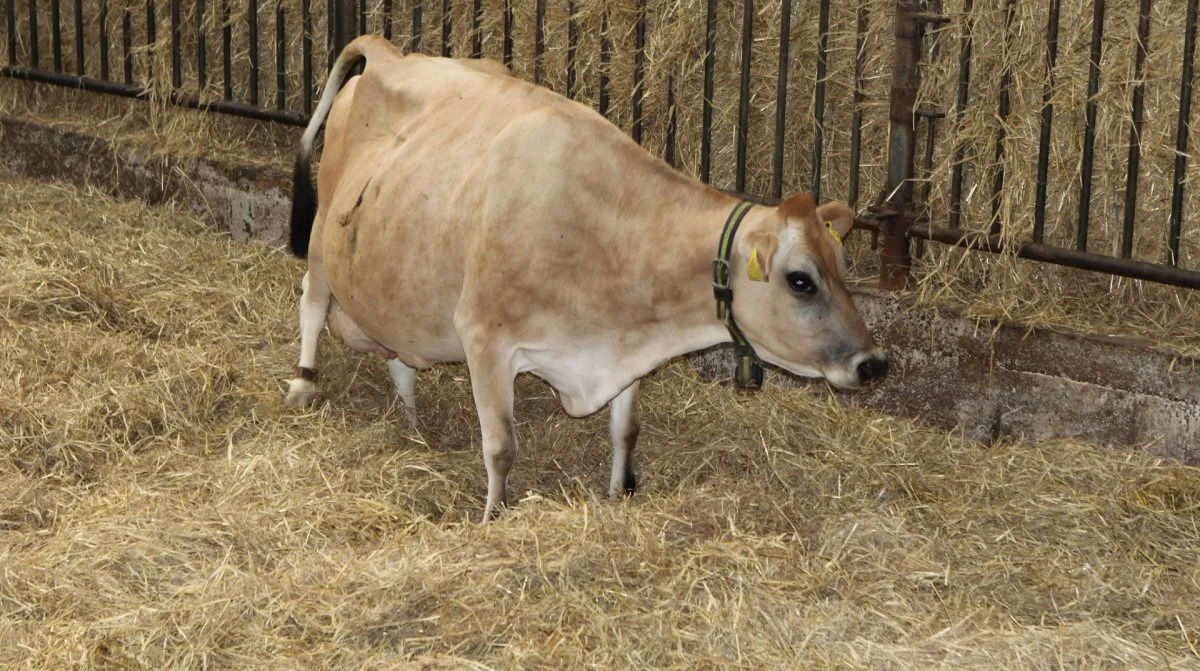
[874,368]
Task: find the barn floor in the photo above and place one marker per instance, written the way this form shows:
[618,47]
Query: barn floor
[160,507]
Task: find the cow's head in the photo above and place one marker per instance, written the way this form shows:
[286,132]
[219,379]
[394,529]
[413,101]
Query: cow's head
[787,272]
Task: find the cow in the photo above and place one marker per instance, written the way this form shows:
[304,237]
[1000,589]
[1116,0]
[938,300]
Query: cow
[467,215]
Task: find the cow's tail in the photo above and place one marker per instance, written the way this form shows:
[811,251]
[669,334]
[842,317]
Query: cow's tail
[304,196]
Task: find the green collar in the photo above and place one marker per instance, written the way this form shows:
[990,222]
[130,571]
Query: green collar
[749,373]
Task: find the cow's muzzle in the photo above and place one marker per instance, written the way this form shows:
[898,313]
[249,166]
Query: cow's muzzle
[872,368]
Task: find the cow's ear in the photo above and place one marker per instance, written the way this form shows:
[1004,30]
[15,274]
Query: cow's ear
[758,248]
[797,208]
[837,216]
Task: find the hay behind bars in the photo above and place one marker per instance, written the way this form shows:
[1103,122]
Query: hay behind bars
[986,286]
[161,508]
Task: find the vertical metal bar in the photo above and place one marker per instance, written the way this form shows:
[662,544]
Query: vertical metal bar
[605,58]
[1089,129]
[252,30]
[894,259]
[79,59]
[103,39]
[201,48]
[280,56]
[1182,130]
[508,40]
[345,24]
[417,26]
[819,102]
[387,20]
[1001,131]
[306,55]
[447,27]
[539,38]
[151,40]
[331,33]
[127,44]
[785,31]
[572,47]
[706,117]
[176,64]
[33,34]
[639,69]
[476,30]
[960,111]
[1043,168]
[362,18]
[743,131]
[1135,129]
[856,116]
[56,34]
[10,16]
[669,154]
[226,51]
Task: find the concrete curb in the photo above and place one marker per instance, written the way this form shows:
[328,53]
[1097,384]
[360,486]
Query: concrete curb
[990,381]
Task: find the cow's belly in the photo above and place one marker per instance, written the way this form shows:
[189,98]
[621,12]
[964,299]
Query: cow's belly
[393,292]
[586,375]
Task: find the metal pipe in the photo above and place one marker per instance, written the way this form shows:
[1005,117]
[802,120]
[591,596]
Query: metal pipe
[417,24]
[201,48]
[1043,162]
[306,71]
[33,34]
[507,51]
[1001,131]
[1083,260]
[1135,130]
[56,34]
[447,27]
[280,56]
[1089,128]
[639,68]
[10,15]
[176,57]
[669,153]
[79,57]
[856,116]
[539,38]
[572,47]
[476,31]
[894,258]
[104,71]
[960,111]
[819,98]
[175,97]
[785,29]
[252,32]
[706,116]
[1182,130]
[605,59]
[743,128]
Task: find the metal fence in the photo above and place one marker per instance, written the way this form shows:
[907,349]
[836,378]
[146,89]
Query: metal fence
[118,49]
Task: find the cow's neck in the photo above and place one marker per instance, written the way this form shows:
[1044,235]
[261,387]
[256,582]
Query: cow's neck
[691,322]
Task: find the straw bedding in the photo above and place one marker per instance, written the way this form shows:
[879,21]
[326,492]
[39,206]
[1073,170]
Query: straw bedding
[160,507]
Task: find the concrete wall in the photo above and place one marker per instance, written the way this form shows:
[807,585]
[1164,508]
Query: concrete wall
[990,381]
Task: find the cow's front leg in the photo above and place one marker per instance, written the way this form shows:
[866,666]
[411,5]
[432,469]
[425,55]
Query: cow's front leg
[404,384]
[314,305]
[492,386]
[623,425]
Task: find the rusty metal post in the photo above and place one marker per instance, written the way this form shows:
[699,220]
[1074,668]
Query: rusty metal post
[345,24]
[894,258]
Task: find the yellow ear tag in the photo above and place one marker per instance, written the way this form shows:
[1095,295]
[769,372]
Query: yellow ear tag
[836,236]
[752,268]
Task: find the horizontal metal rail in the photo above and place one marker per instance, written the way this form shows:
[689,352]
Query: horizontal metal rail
[175,97]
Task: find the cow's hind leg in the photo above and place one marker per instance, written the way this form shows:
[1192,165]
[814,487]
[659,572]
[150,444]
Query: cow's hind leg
[624,427]
[404,384]
[492,386]
[314,304]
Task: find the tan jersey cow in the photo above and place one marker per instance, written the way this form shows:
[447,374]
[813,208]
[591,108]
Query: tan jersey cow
[466,215]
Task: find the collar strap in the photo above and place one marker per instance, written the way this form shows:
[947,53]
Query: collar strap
[749,373]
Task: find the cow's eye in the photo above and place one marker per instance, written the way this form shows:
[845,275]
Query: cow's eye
[801,282]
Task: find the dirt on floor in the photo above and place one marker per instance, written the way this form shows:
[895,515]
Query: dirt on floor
[161,507]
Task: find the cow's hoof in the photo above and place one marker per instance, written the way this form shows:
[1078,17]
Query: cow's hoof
[301,391]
